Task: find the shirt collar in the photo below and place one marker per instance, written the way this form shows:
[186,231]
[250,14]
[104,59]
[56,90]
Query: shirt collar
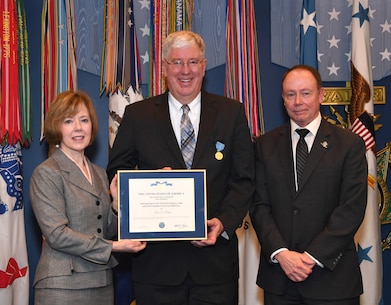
[193,105]
[312,127]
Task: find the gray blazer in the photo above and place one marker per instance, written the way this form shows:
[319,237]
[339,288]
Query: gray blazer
[76,222]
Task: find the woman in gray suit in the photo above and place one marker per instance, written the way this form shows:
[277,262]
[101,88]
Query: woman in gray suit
[71,201]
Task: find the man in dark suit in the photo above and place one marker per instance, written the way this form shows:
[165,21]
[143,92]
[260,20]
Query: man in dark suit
[149,137]
[306,227]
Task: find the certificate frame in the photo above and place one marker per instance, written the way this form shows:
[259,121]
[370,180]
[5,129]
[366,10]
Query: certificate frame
[138,205]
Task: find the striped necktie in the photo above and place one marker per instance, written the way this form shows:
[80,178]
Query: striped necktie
[187,137]
[301,153]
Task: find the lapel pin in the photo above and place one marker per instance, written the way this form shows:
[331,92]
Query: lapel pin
[324,144]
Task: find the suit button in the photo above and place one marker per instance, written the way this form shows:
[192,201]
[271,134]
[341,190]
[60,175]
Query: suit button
[99,230]
[99,217]
[97,203]
[295,211]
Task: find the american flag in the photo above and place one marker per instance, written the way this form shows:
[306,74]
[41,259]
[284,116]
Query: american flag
[333,25]
[361,107]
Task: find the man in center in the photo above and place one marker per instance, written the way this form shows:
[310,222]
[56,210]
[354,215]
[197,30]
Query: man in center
[149,137]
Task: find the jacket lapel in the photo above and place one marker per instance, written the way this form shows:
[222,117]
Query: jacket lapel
[75,176]
[162,115]
[286,157]
[321,144]
[207,119]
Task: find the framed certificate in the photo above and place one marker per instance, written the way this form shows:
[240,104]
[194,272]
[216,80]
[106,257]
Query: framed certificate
[162,204]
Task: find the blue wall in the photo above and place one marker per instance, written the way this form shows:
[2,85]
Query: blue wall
[273,111]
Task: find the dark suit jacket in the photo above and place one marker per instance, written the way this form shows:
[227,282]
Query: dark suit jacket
[76,220]
[321,218]
[146,140]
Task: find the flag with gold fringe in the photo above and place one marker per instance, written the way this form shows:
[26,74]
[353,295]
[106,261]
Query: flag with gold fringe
[361,110]
[243,84]
[58,52]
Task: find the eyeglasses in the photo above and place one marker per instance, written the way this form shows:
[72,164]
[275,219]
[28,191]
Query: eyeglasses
[179,64]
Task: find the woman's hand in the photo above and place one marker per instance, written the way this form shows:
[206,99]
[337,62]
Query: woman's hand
[128,245]
[114,192]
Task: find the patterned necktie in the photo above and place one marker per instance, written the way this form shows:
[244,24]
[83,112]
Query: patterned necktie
[301,153]
[187,137]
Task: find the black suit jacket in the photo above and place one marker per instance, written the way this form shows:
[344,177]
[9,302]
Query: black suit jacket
[146,140]
[321,218]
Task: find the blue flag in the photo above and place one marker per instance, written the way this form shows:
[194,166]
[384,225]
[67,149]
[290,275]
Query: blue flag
[308,44]
[333,31]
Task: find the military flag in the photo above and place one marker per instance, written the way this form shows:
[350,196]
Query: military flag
[14,269]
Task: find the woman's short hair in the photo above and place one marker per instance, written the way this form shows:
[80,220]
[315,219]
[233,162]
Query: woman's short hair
[65,105]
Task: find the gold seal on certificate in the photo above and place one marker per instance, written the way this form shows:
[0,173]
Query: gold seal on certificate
[219,155]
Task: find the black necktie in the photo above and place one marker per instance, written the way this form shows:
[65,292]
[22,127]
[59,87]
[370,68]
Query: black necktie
[187,137]
[301,153]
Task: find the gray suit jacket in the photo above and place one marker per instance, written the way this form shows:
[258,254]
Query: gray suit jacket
[76,222]
[321,218]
